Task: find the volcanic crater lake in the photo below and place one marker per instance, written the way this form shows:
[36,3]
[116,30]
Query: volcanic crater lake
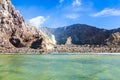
[59,67]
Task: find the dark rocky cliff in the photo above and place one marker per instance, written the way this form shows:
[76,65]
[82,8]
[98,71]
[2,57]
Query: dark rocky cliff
[81,34]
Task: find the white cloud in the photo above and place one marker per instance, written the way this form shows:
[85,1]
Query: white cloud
[72,16]
[107,12]
[60,1]
[76,3]
[37,21]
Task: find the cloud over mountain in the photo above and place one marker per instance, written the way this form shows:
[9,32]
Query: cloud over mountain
[37,21]
[107,12]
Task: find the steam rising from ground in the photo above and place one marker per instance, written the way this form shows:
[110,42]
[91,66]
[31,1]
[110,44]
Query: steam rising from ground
[53,39]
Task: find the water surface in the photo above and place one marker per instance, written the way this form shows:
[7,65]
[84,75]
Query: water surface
[59,67]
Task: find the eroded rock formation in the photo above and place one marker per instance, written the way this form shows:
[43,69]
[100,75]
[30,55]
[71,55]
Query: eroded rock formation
[68,41]
[114,39]
[15,33]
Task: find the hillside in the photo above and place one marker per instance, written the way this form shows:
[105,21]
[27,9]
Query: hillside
[15,32]
[81,34]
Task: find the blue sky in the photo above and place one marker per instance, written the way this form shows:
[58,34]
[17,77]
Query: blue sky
[59,13]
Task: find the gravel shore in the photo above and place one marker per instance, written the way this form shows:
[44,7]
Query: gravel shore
[87,49]
[72,49]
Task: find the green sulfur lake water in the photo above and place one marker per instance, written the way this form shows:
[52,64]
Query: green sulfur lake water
[59,67]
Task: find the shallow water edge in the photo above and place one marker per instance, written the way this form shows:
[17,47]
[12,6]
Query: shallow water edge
[59,53]
[59,67]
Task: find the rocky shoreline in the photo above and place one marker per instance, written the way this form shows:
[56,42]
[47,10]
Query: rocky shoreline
[87,48]
[74,49]
[22,51]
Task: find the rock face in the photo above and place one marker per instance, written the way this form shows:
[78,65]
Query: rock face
[114,39]
[15,33]
[69,41]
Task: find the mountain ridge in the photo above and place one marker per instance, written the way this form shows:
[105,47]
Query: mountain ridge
[85,34]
